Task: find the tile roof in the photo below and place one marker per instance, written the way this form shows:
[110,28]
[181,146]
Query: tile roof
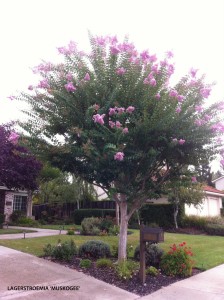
[213,190]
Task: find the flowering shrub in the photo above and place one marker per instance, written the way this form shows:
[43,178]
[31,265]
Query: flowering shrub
[178,261]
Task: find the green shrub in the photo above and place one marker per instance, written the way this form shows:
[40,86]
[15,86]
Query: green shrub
[152,271]
[161,214]
[95,249]
[70,232]
[26,222]
[106,224]
[16,215]
[62,251]
[104,263]
[195,222]
[126,269]
[85,263]
[2,218]
[153,254]
[90,226]
[215,229]
[79,214]
[114,230]
[178,261]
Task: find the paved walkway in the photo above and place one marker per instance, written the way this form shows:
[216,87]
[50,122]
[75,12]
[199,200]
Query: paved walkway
[39,232]
[19,269]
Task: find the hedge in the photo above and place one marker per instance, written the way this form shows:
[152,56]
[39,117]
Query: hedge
[161,214]
[2,218]
[79,214]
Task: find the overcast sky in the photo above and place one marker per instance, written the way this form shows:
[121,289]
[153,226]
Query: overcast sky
[32,29]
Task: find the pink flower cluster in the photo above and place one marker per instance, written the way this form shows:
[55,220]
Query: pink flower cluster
[180,142]
[174,94]
[72,48]
[205,92]
[99,119]
[119,156]
[13,138]
[70,87]
[120,110]
[43,84]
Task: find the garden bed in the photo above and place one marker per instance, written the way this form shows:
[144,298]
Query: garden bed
[132,285]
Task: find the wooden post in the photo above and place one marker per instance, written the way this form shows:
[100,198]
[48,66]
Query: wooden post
[142,256]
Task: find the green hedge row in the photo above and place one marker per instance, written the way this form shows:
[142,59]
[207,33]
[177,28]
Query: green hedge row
[79,214]
[161,214]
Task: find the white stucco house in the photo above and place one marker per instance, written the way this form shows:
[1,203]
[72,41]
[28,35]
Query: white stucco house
[211,205]
[11,200]
[219,183]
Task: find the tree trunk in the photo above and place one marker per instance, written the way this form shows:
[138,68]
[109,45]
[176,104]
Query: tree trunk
[122,248]
[29,205]
[175,215]
[117,214]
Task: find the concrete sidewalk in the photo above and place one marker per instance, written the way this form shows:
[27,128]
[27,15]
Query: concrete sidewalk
[24,270]
[39,232]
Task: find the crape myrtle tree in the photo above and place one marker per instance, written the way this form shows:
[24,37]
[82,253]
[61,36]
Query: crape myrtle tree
[19,169]
[114,120]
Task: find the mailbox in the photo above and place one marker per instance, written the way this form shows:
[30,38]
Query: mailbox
[152,235]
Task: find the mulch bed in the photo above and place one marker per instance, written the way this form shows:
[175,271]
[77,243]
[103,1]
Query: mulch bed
[132,285]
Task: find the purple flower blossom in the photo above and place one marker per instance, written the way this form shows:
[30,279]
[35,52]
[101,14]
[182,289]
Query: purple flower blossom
[101,41]
[154,68]
[43,84]
[152,58]
[205,92]
[146,81]
[13,138]
[221,106]
[207,118]
[173,93]
[178,109]
[193,72]
[198,122]
[111,124]
[192,83]
[193,179]
[99,118]
[87,77]
[70,87]
[170,69]
[125,130]
[121,71]
[181,142]
[114,50]
[144,55]
[30,87]
[126,47]
[163,63]
[199,108]
[96,106]
[157,96]
[118,124]
[152,82]
[120,110]
[112,111]
[180,98]
[69,77]
[169,54]
[130,109]
[119,156]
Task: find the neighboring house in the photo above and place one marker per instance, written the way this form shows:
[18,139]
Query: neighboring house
[11,200]
[211,205]
[219,183]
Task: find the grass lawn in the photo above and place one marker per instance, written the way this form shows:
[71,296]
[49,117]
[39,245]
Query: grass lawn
[10,231]
[208,250]
[58,227]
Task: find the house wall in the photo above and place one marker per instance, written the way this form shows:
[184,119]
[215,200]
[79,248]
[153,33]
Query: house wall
[210,207]
[219,184]
[9,197]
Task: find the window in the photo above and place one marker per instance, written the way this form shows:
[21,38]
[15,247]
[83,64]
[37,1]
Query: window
[19,202]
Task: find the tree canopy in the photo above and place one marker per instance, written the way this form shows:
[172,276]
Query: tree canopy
[115,120]
[19,169]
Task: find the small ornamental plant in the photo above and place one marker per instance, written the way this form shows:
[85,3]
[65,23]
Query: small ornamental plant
[178,261]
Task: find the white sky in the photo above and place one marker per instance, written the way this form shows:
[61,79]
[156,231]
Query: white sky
[32,29]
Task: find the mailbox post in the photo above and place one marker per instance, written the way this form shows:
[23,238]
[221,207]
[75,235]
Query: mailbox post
[151,235]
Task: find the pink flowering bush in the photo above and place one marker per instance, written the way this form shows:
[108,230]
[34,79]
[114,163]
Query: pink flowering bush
[178,261]
[115,119]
